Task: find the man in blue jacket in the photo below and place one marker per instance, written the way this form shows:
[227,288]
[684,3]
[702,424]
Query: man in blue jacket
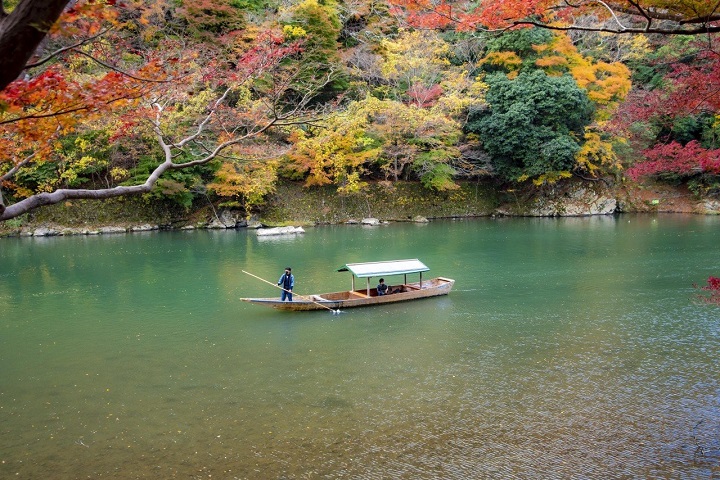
[287,282]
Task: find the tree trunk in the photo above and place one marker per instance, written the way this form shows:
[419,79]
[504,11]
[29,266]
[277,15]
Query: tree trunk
[21,31]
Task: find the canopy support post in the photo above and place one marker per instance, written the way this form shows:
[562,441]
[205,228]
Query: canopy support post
[368,286]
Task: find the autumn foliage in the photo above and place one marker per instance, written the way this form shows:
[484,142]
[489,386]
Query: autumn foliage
[683,160]
[220,99]
[169,105]
[623,16]
[711,291]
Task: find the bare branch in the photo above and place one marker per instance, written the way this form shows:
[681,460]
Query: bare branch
[64,49]
[115,69]
[626,30]
[614,16]
[648,15]
[8,175]
[201,125]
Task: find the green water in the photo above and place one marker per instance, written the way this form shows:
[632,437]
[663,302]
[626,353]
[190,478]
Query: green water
[569,348]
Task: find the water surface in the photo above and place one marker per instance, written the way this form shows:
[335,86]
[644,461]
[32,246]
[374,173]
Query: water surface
[570,348]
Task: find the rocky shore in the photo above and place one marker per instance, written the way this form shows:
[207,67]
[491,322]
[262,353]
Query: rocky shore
[294,205]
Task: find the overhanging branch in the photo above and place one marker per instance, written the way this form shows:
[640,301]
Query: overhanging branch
[625,30]
[63,50]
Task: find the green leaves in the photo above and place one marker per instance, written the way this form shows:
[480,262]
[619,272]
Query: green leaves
[533,125]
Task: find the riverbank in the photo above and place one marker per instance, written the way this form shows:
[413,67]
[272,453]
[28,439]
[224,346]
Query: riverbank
[293,204]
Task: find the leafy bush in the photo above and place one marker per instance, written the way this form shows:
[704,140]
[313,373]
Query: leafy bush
[534,124]
[439,178]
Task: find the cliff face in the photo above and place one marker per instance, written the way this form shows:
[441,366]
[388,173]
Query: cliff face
[403,202]
[578,198]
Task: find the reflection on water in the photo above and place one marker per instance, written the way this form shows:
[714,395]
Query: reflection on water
[571,348]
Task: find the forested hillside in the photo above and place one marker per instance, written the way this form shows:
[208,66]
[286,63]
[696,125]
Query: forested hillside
[220,100]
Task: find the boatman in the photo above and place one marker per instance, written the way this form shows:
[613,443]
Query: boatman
[287,282]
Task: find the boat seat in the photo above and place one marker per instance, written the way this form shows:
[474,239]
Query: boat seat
[319,298]
[358,294]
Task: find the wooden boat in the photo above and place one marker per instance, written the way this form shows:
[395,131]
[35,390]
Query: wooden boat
[368,296]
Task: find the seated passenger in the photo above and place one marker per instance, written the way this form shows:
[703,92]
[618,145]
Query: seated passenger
[382,289]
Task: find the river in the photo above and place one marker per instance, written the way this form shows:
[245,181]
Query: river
[569,348]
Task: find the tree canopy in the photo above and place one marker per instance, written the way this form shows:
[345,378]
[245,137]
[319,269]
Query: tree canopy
[668,17]
[534,124]
[222,99]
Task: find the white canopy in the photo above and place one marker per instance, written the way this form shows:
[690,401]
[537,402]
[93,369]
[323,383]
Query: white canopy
[378,269]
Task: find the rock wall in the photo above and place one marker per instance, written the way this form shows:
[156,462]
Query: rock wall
[582,198]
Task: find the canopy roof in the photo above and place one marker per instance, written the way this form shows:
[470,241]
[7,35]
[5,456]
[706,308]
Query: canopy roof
[378,269]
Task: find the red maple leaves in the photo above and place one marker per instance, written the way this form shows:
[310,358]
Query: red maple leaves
[683,160]
[713,287]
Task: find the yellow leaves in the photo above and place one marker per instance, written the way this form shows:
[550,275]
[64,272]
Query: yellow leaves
[82,143]
[508,60]
[352,184]
[343,141]
[88,161]
[119,174]
[308,4]
[383,135]
[548,178]
[293,32]
[194,105]
[72,170]
[611,84]
[584,75]
[689,8]
[23,192]
[595,153]
[633,47]
[338,152]
[70,176]
[416,56]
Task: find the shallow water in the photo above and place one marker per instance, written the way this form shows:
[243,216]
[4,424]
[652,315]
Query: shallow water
[569,348]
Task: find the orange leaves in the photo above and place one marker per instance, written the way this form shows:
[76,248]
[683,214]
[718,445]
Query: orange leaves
[248,182]
[461,16]
[87,18]
[605,83]
[53,96]
[497,13]
[650,16]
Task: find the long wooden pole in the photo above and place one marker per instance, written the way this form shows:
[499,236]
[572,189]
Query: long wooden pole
[290,292]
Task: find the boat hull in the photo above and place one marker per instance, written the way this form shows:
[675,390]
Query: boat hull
[359,298]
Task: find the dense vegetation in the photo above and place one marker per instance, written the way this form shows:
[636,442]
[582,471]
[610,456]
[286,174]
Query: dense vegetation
[222,99]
